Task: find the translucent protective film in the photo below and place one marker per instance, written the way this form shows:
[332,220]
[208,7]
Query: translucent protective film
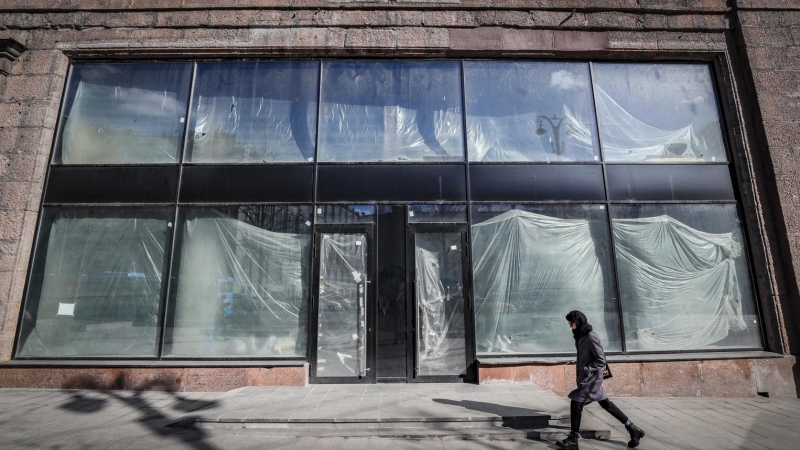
[658,112]
[242,289]
[440,304]
[124,113]
[96,287]
[391,111]
[531,268]
[530,111]
[342,331]
[683,288]
[254,112]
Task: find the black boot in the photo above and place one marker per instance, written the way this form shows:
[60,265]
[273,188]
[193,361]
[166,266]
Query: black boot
[636,434]
[570,442]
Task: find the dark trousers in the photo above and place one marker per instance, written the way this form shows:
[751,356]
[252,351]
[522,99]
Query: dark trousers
[576,412]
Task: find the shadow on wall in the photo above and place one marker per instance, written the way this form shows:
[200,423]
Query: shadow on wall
[105,394]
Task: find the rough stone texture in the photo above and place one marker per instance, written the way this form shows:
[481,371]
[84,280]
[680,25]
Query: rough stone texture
[707,378]
[148,379]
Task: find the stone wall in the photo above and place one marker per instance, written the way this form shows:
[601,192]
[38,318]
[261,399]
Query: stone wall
[709,378]
[173,379]
[752,44]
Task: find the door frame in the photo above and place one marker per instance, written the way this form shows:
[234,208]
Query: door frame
[370,301]
[411,301]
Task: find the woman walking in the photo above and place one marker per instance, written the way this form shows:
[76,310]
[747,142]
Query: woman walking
[589,371]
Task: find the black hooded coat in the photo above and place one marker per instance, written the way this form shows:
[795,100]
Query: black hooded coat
[590,363]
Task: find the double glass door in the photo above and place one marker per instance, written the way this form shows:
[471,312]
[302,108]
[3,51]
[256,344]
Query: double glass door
[407,321]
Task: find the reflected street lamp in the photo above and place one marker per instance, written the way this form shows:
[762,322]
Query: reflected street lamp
[555,125]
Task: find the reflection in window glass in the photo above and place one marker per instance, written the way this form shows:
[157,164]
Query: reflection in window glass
[684,279]
[242,282]
[437,213]
[391,111]
[530,111]
[96,285]
[658,112]
[124,113]
[532,265]
[254,112]
[345,213]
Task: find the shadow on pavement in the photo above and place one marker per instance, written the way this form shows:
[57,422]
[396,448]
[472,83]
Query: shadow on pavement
[104,395]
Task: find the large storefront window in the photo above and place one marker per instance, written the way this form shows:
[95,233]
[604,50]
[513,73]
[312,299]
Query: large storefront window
[684,278]
[391,111]
[241,282]
[97,283]
[530,111]
[598,186]
[124,113]
[658,113]
[532,265]
[254,112]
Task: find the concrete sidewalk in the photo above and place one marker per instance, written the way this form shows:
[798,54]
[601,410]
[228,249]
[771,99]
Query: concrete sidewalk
[68,419]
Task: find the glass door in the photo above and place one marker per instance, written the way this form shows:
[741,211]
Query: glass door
[341,352]
[442,345]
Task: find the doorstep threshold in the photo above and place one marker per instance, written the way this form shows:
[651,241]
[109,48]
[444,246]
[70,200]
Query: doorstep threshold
[630,358]
[21,363]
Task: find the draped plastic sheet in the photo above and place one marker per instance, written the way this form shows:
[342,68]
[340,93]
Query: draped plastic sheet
[389,133]
[626,138]
[529,271]
[101,289]
[115,124]
[342,332]
[515,138]
[440,305]
[269,130]
[242,290]
[679,284]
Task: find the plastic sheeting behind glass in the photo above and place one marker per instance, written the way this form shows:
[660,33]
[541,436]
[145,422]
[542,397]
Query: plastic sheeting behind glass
[658,112]
[437,213]
[530,111]
[99,282]
[684,279]
[242,282]
[441,348]
[254,112]
[391,111]
[532,265]
[124,113]
[342,332]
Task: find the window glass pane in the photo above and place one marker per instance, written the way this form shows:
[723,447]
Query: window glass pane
[684,279]
[530,111]
[532,264]
[437,213]
[254,112]
[391,111]
[658,112]
[124,113]
[96,284]
[345,213]
[242,282]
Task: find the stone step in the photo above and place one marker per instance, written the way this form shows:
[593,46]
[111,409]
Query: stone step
[501,428]
[516,422]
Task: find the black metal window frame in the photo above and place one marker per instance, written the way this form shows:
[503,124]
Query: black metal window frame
[53,187]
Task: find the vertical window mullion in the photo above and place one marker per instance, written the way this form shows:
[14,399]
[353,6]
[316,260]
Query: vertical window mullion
[614,265]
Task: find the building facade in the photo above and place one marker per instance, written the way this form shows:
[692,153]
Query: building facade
[195,196]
